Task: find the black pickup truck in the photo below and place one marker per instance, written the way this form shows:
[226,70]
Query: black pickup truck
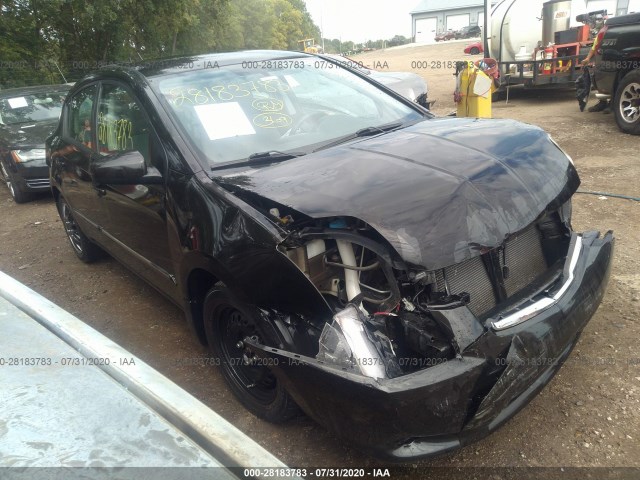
[617,72]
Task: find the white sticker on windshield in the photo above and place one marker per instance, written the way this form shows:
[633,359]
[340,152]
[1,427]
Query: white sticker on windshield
[17,102]
[293,83]
[224,120]
[267,79]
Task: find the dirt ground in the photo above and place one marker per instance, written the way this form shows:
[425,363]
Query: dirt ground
[589,415]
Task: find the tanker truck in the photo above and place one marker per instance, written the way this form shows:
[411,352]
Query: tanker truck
[540,43]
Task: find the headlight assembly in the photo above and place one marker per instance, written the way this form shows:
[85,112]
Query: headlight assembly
[24,156]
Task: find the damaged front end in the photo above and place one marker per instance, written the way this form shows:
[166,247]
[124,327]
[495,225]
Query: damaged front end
[417,362]
[448,285]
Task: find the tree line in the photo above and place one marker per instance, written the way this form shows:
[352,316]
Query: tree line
[335,45]
[51,41]
[42,40]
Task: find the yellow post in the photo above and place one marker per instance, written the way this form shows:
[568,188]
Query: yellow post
[475,92]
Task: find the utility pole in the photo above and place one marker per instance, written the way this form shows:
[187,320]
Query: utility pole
[487,28]
[322,25]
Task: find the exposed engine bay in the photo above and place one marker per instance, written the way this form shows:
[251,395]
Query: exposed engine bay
[392,319]
[415,313]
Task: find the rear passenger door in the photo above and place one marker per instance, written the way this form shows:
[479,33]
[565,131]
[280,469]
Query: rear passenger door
[136,217]
[73,155]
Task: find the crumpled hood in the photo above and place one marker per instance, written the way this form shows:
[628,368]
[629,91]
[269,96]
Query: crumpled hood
[30,134]
[439,191]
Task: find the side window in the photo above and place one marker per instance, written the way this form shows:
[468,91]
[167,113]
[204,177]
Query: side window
[122,126]
[80,124]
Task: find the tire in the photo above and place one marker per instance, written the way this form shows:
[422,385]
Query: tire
[18,195]
[227,322]
[626,104]
[85,249]
[475,51]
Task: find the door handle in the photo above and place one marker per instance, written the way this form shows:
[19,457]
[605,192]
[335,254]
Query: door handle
[100,191]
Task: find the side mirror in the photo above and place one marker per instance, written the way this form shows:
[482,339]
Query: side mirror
[123,169]
[152,177]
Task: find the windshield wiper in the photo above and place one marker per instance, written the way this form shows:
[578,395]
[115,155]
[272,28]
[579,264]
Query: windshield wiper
[363,132]
[270,156]
[368,131]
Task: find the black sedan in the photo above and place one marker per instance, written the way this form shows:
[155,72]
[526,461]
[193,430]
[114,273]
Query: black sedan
[410,282]
[470,31]
[27,117]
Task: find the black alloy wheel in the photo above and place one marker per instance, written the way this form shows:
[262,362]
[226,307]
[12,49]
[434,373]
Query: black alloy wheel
[227,324]
[85,249]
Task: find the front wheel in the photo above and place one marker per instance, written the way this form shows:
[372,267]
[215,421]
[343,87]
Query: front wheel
[626,104]
[227,324]
[85,249]
[18,195]
[475,51]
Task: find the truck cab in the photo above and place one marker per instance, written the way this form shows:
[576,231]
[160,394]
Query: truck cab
[617,71]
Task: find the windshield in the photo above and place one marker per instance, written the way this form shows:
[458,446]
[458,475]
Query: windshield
[296,105]
[36,107]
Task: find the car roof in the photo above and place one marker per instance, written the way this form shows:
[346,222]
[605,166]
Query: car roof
[138,71]
[159,67]
[20,91]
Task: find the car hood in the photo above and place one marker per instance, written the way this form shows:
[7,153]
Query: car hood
[30,134]
[404,83]
[440,191]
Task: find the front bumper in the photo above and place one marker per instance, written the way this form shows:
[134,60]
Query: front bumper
[444,407]
[32,176]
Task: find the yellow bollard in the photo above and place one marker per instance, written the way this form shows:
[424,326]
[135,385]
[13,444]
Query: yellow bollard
[474,90]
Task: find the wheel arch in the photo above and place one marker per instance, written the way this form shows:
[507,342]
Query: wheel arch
[198,284]
[620,77]
[202,273]
[55,191]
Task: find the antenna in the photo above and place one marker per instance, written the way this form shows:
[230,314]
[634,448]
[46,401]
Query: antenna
[61,74]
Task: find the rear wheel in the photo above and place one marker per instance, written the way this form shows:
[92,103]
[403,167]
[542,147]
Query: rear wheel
[227,324]
[475,51]
[18,195]
[85,249]
[627,103]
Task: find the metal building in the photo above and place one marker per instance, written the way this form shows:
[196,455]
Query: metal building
[431,17]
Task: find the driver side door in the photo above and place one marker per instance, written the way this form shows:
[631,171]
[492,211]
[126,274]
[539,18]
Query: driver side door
[135,221]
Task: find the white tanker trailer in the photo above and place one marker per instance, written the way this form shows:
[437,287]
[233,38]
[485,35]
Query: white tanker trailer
[540,43]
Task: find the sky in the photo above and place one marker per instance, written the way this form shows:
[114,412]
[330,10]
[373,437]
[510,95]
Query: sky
[362,20]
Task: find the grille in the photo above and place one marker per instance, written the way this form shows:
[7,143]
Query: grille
[36,183]
[526,262]
[469,276]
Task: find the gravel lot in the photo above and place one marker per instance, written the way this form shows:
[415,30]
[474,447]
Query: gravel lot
[589,415]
